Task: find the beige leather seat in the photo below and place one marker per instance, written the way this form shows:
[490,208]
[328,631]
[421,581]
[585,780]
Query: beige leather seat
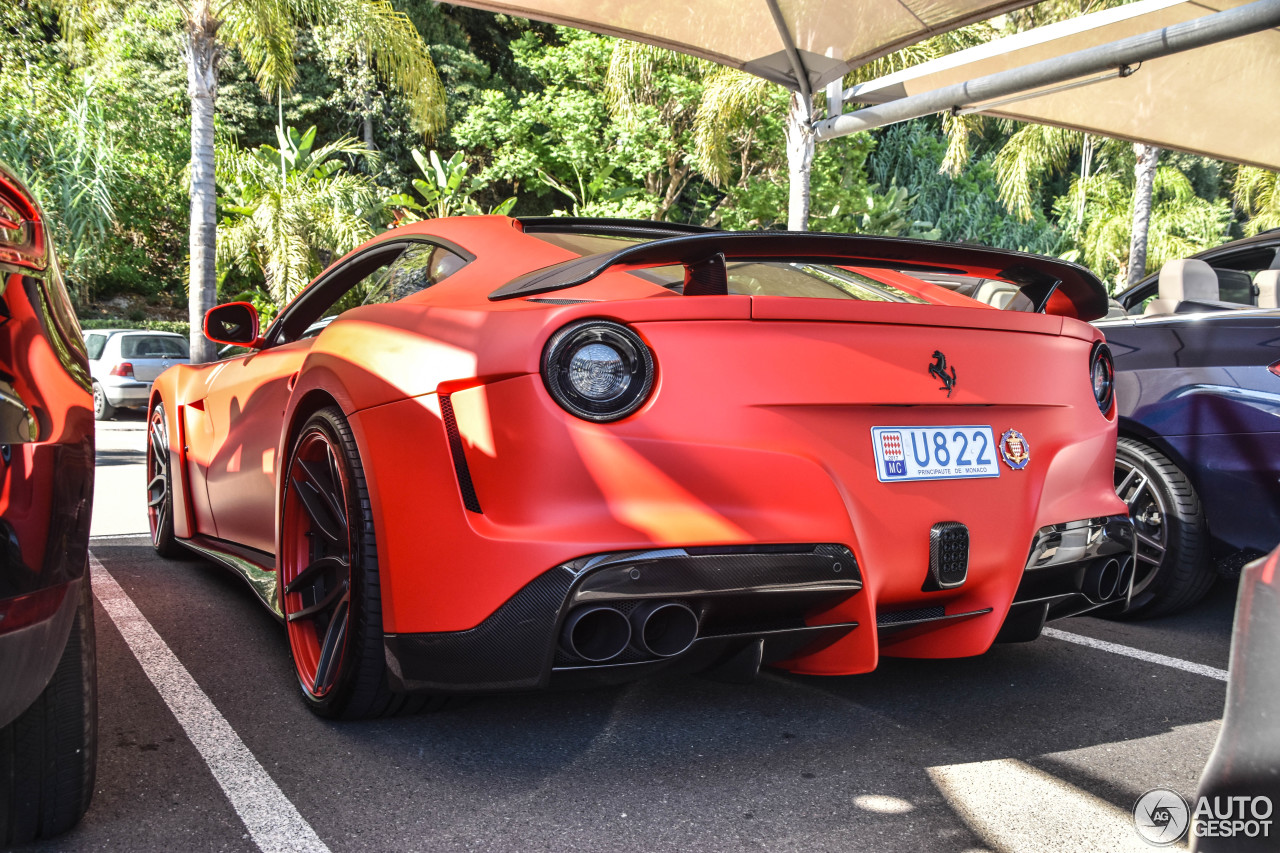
[1181,281]
[1267,282]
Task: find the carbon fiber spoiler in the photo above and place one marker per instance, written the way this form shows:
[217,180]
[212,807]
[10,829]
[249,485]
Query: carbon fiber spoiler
[1072,289]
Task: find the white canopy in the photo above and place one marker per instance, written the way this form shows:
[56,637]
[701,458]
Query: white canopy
[769,38]
[1218,100]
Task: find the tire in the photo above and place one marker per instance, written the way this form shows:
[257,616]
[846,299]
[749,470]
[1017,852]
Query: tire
[48,756]
[160,487]
[1172,571]
[329,590]
[102,408]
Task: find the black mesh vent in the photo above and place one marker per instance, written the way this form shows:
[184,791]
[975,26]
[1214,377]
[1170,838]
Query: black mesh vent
[948,555]
[920,614]
[552,301]
[468,489]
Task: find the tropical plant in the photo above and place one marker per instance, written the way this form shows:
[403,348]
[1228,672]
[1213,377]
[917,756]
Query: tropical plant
[63,146]
[264,33]
[289,210]
[1257,193]
[444,192]
[1182,223]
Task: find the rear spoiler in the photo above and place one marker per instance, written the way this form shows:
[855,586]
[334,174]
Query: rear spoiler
[1050,285]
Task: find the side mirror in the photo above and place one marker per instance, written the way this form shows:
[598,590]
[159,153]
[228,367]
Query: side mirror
[233,323]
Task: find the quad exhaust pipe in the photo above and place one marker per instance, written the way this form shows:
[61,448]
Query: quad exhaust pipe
[600,633]
[1103,579]
[596,634]
[664,628]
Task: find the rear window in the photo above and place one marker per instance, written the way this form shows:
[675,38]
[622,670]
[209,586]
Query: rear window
[153,346]
[94,344]
[750,278]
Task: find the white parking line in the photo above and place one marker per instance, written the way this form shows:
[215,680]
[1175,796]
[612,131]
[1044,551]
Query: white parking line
[272,821]
[1149,657]
[1013,806]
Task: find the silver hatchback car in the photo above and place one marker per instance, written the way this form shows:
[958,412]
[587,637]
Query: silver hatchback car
[124,363]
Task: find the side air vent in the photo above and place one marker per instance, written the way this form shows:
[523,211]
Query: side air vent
[948,555]
[468,489]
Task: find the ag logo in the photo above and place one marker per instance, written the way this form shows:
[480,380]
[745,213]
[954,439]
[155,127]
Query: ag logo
[1161,817]
[938,370]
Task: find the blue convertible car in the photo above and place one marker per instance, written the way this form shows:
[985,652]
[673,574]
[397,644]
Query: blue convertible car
[1197,356]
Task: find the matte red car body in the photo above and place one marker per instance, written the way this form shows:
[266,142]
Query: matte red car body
[757,431]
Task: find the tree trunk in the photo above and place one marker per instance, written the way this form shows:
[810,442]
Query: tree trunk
[202,87]
[800,147]
[1145,174]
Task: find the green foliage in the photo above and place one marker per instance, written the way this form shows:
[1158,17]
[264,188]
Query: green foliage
[289,210]
[1257,193]
[1182,223]
[965,208]
[444,192]
[176,326]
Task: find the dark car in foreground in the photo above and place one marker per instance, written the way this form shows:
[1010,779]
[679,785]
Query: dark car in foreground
[1244,769]
[1197,358]
[48,698]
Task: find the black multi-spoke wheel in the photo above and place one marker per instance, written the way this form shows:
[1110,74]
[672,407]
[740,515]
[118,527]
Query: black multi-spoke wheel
[102,408]
[1172,571]
[329,590]
[160,486]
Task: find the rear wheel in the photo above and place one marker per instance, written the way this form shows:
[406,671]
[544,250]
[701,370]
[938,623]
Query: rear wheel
[48,755]
[1172,571]
[102,408]
[329,585]
[160,487]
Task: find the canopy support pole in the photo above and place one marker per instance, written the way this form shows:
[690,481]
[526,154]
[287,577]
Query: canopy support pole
[1210,29]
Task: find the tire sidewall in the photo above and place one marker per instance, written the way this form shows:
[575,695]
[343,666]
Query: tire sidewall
[364,612]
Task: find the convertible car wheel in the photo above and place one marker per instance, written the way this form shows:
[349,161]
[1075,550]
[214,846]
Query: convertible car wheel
[1172,572]
[329,587]
[159,489]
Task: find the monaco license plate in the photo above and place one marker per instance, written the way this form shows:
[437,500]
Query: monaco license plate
[934,453]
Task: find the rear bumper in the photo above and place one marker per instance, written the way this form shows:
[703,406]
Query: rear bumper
[803,608]
[742,596]
[1066,574]
[121,391]
[30,654]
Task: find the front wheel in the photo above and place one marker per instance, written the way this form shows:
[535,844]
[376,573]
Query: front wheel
[160,487]
[329,585]
[1172,571]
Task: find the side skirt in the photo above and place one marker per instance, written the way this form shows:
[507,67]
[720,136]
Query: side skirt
[257,568]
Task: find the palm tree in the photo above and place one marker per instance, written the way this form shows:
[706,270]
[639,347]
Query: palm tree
[287,210]
[264,32]
[1257,193]
[733,100]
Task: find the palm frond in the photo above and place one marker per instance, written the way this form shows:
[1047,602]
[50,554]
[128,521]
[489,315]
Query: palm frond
[1033,151]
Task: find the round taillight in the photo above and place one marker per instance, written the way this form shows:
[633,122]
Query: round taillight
[1102,373]
[598,370]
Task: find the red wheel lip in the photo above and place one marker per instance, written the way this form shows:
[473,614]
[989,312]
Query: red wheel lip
[303,640]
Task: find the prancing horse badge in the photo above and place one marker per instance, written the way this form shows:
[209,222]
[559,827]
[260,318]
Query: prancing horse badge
[938,370]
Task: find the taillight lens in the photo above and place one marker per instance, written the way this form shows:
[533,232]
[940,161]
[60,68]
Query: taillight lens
[598,370]
[124,368]
[1275,368]
[1102,373]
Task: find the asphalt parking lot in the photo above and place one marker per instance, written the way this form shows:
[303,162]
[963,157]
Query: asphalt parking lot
[1043,746]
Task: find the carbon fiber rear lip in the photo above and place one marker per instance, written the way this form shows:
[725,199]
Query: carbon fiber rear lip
[514,648]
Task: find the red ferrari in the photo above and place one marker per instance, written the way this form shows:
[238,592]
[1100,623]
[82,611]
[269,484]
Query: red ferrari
[491,454]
